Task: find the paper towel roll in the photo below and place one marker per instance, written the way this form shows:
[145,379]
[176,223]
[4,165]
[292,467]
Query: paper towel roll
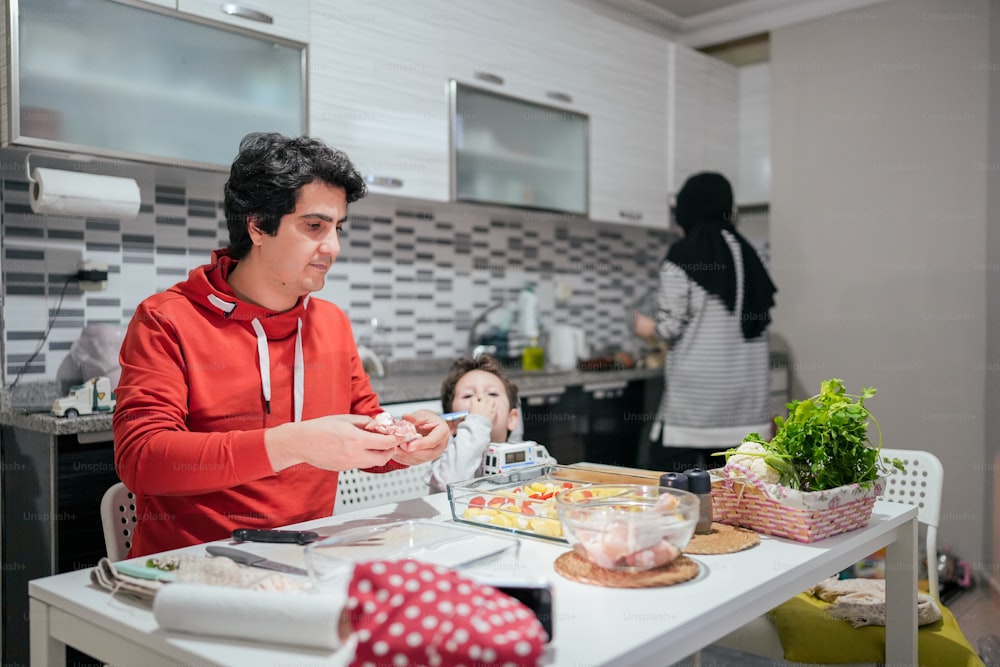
[304,619]
[75,193]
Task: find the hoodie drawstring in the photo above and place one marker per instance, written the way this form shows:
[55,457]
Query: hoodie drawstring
[299,379]
[263,362]
[264,358]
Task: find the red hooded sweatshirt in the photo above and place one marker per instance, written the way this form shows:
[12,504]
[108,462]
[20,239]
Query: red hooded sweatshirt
[196,394]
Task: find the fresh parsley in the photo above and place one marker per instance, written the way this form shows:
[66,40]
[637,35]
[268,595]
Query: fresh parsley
[824,442]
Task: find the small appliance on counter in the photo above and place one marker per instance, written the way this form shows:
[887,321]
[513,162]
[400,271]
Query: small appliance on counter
[567,345]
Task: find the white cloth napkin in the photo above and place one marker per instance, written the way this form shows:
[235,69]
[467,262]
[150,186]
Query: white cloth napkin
[301,619]
[862,601]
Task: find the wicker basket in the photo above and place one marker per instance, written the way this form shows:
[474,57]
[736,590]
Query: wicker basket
[776,510]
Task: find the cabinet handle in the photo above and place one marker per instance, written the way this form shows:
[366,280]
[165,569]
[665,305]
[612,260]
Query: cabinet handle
[559,97]
[232,9]
[631,215]
[606,387]
[384,181]
[490,78]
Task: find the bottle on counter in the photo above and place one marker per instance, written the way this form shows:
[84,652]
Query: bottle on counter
[533,356]
[700,484]
[674,480]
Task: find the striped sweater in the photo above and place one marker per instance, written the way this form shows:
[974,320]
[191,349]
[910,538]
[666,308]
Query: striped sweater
[716,381]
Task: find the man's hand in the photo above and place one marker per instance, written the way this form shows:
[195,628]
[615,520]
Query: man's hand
[336,442]
[434,434]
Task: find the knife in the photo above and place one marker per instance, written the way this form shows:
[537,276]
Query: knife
[247,558]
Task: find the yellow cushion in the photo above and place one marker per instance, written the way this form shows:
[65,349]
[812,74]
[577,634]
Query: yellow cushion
[809,635]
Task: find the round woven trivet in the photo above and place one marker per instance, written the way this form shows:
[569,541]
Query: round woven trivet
[573,566]
[724,539]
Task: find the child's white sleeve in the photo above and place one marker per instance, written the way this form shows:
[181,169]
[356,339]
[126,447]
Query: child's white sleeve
[463,459]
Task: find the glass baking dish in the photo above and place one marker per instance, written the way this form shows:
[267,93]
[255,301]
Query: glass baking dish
[523,501]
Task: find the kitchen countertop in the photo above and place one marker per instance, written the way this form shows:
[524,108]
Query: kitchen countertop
[407,381]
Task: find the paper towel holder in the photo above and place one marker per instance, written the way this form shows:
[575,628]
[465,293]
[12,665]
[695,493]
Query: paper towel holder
[36,187]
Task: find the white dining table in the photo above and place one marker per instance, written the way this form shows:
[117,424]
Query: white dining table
[593,625]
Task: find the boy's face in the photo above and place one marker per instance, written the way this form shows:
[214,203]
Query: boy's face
[483,393]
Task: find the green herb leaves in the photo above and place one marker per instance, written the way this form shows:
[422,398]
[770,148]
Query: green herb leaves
[824,442]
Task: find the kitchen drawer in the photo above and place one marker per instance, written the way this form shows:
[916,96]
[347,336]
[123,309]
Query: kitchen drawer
[288,19]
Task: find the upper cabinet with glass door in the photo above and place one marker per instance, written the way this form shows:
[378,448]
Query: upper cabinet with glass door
[131,80]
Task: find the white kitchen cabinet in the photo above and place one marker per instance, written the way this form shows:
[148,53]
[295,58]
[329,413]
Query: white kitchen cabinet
[378,89]
[755,135]
[288,19]
[527,49]
[628,111]
[704,117]
[186,94]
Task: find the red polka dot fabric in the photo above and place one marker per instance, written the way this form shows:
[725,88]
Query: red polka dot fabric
[411,613]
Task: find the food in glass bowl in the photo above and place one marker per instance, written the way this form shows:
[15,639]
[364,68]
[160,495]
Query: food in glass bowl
[628,527]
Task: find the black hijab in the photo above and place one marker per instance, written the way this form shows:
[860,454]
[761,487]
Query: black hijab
[704,210]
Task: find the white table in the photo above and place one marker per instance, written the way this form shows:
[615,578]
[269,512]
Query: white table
[593,625]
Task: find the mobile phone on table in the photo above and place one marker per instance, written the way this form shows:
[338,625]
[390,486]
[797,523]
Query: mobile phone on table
[283,536]
[536,595]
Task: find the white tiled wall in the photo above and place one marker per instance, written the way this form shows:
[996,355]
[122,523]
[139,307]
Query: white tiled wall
[425,270]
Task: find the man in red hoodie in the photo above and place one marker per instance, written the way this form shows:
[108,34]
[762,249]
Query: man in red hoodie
[241,396]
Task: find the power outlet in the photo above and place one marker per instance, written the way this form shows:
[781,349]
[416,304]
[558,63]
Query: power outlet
[92,276]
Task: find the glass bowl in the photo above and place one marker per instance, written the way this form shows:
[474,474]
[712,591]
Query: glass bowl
[628,527]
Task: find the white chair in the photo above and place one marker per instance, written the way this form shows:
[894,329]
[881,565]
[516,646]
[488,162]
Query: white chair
[357,489]
[118,519]
[922,485]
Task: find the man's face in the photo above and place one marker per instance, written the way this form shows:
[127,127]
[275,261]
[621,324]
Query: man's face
[294,262]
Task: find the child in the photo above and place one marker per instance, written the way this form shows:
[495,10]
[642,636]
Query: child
[479,386]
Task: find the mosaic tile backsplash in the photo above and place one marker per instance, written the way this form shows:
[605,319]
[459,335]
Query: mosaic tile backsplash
[423,270]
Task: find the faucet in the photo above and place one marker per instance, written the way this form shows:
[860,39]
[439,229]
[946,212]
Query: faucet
[471,344]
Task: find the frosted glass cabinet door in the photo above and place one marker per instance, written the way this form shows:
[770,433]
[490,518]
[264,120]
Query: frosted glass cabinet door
[114,79]
[508,151]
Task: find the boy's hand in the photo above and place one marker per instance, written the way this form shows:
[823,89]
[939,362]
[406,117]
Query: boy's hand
[485,406]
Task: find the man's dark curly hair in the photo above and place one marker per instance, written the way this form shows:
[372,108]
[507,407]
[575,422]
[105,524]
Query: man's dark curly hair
[267,174]
[483,362]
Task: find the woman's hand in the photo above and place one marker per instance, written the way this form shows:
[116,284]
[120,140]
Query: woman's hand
[645,327]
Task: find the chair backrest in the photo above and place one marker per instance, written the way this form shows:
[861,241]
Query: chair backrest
[118,519]
[922,485]
[357,489]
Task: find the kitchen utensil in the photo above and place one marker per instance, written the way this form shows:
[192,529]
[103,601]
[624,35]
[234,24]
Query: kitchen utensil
[253,560]
[433,542]
[283,536]
[567,345]
[455,416]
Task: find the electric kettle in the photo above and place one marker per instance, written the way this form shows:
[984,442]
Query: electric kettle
[567,345]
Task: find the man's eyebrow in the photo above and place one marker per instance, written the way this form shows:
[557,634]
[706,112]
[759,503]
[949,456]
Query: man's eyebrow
[323,216]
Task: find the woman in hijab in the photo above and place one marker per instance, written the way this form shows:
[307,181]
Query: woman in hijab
[714,303]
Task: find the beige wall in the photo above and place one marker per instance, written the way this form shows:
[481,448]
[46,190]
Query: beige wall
[991,524]
[878,226]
